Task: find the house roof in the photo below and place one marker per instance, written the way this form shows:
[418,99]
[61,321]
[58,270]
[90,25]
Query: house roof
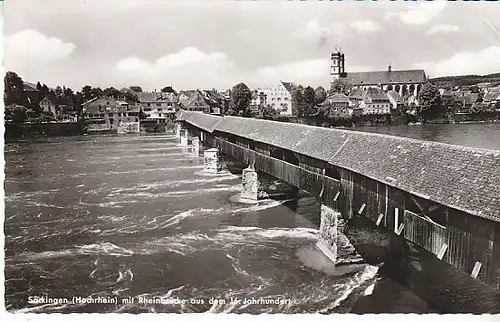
[357,93]
[375,93]
[338,98]
[29,86]
[386,77]
[470,98]
[458,177]
[395,96]
[153,97]
[288,86]
[491,94]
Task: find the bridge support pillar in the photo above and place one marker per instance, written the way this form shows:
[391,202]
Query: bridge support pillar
[327,241]
[250,183]
[184,137]
[196,145]
[212,161]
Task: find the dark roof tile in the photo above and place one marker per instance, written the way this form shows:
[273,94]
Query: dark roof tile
[386,77]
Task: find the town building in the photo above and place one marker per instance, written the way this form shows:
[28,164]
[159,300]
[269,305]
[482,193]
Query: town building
[401,81]
[31,92]
[337,105]
[206,101]
[158,106]
[58,106]
[375,101]
[111,115]
[279,97]
[259,99]
[492,97]
[397,102]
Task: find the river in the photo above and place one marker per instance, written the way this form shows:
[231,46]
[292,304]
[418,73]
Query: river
[475,135]
[134,218]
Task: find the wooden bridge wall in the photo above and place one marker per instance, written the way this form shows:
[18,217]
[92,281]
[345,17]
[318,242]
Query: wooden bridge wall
[469,238]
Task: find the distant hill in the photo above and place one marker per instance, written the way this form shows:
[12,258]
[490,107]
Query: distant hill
[465,80]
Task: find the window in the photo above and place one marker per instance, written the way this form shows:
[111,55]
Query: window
[149,104]
[110,114]
[169,104]
[159,114]
[158,104]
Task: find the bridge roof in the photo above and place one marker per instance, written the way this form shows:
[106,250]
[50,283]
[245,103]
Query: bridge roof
[463,178]
[201,120]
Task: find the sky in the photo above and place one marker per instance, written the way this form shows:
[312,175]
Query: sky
[219,43]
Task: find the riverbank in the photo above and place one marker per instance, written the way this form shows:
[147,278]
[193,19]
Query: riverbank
[25,130]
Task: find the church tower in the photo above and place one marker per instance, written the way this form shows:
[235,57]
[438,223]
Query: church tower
[337,67]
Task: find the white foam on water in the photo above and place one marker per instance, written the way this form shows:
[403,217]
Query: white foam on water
[369,289]
[155,195]
[91,275]
[171,291]
[264,204]
[105,248]
[186,214]
[298,232]
[361,277]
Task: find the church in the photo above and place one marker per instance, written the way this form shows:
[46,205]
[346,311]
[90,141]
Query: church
[404,82]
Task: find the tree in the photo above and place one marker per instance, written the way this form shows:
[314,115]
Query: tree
[268,113]
[58,91]
[429,100]
[14,90]
[112,92]
[340,86]
[298,100]
[240,100]
[309,101]
[136,89]
[44,91]
[319,95]
[96,92]
[167,89]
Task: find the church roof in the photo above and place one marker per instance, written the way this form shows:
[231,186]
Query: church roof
[386,77]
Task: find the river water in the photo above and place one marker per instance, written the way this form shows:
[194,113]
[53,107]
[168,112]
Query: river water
[482,135]
[134,218]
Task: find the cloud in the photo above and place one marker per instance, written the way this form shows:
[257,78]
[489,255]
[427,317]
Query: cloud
[32,46]
[442,29]
[365,26]
[464,63]
[189,67]
[320,34]
[420,14]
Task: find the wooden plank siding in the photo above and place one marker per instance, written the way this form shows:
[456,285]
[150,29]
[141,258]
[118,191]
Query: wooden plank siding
[423,232]
[312,182]
[469,238]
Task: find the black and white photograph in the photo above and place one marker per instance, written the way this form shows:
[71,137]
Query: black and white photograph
[251,157]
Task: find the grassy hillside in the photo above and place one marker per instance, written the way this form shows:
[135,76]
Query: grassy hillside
[465,80]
